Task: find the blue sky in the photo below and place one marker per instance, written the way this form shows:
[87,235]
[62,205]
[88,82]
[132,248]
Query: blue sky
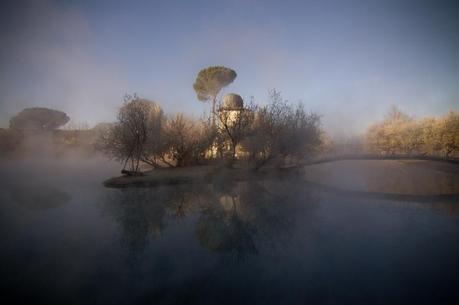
[346,60]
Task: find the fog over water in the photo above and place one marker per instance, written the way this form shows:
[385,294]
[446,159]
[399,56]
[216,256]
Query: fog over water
[246,204]
[273,241]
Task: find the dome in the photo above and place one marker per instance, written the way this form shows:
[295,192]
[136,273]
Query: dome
[232,101]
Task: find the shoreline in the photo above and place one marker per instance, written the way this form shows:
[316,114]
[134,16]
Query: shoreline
[197,174]
[206,173]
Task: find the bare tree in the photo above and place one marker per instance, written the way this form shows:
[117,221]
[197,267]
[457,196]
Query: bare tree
[136,136]
[282,132]
[233,127]
[188,140]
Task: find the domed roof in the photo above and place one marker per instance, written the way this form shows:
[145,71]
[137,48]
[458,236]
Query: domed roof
[232,101]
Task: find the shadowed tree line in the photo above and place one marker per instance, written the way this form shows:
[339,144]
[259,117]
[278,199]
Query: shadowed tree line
[39,118]
[38,129]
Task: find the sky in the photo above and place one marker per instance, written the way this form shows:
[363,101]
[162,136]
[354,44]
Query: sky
[348,61]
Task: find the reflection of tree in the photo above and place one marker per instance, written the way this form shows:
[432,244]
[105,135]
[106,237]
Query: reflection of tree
[232,217]
[140,216]
[184,200]
[241,215]
[220,229]
[446,203]
[411,177]
[39,197]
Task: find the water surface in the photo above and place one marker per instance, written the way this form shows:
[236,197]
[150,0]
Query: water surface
[68,240]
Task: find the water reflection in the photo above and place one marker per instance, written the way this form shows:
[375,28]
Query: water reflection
[259,242]
[415,178]
[139,214]
[231,218]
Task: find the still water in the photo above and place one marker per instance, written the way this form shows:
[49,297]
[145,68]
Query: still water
[65,239]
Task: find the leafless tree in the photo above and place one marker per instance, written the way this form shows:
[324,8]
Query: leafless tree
[282,132]
[233,127]
[136,136]
[188,139]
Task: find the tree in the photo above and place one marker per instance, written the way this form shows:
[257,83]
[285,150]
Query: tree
[38,118]
[281,131]
[210,81]
[137,135]
[430,140]
[234,126]
[398,133]
[449,133]
[187,139]
[395,114]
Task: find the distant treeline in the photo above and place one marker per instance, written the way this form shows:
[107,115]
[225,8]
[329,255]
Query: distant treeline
[403,135]
[400,133]
[19,142]
[35,130]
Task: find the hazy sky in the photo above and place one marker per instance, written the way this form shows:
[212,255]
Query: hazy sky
[347,60]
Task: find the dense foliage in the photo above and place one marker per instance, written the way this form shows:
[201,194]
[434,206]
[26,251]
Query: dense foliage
[210,81]
[39,118]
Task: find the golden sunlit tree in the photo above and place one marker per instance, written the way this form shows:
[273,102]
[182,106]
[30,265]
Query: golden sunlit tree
[393,135]
[401,134]
[187,140]
[449,133]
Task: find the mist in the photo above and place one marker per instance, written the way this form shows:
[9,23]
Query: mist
[236,152]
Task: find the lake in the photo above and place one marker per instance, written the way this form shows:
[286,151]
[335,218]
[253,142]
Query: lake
[332,236]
